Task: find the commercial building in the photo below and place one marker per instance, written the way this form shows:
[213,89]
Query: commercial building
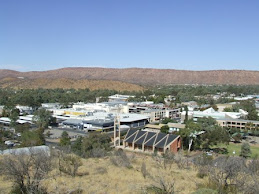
[103,121]
[154,114]
[82,109]
[238,123]
[173,113]
[210,112]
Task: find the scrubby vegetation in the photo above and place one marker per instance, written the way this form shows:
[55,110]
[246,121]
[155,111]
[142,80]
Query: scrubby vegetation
[127,172]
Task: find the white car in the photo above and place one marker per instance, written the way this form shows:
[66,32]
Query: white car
[9,143]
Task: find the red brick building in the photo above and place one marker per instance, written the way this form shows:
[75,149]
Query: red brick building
[150,141]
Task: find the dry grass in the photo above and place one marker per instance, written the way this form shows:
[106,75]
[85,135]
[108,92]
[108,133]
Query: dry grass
[5,185]
[112,179]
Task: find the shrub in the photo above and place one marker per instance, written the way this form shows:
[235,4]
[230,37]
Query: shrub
[245,150]
[144,170]
[120,159]
[101,170]
[69,164]
[96,145]
[161,185]
[202,172]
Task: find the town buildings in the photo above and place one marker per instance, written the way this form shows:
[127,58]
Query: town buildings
[210,112]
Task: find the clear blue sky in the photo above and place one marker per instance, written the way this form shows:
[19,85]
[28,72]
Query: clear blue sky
[174,34]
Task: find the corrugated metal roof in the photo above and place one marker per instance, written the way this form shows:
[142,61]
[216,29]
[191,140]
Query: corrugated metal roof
[140,133]
[141,140]
[160,136]
[171,138]
[130,132]
[149,135]
[160,140]
[27,150]
[151,141]
[133,137]
[161,144]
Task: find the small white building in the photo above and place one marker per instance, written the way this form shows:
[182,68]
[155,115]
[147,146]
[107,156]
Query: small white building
[118,97]
[51,105]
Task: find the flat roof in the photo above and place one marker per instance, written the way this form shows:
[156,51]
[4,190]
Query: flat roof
[5,119]
[238,120]
[99,122]
[27,150]
[176,125]
[124,117]
[73,122]
[114,103]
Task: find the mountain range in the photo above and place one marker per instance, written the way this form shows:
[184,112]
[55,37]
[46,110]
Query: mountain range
[135,76]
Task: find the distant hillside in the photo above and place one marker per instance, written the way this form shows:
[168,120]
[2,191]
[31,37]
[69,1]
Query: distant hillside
[144,76]
[25,83]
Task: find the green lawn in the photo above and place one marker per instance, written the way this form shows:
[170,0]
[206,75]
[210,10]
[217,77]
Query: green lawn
[237,147]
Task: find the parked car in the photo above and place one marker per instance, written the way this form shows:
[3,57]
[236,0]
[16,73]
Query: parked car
[9,143]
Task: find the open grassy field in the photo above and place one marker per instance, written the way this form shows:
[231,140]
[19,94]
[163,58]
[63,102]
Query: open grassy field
[102,176]
[236,148]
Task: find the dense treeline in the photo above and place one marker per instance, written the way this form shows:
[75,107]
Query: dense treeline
[198,90]
[182,93]
[34,98]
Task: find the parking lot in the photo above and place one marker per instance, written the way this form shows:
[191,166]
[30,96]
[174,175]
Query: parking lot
[55,133]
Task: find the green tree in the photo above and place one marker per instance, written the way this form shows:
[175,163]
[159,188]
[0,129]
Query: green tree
[65,139]
[41,135]
[77,146]
[228,109]
[213,133]
[42,118]
[159,99]
[249,106]
[164,129]
[253,115]
[31,138]
[237,137]
[245,150]
[186,114]
[188,134]
[14,116]
[96,145]
[203,134]
[168,120]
